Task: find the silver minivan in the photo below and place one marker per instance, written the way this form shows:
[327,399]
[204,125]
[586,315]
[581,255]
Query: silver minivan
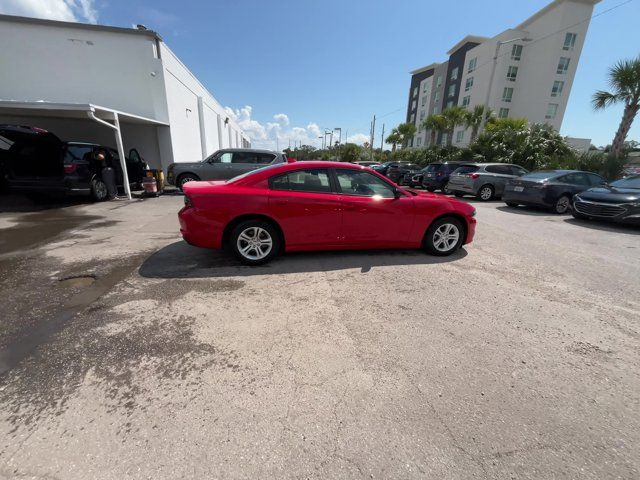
[483,180]
[222,165]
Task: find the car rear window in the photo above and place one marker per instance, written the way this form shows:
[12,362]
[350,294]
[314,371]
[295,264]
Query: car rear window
[538,175]
[434,167]
[466,169]
[78,153]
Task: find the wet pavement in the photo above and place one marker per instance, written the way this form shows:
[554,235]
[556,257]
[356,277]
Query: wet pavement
[125,353]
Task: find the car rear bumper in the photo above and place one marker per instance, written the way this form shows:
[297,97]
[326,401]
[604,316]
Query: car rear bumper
[197,231]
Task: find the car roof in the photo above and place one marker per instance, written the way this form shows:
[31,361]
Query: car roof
[250,150]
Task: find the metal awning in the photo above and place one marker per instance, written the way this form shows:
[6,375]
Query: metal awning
[102,115]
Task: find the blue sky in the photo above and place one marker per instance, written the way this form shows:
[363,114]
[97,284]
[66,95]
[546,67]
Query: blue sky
[335,63]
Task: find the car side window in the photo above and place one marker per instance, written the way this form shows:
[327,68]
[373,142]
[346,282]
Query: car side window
[311,180]
[516,170]
[224,157]
[265,158]
[595,180]
[244,157]
[574,179]
[493,169]
[355,182]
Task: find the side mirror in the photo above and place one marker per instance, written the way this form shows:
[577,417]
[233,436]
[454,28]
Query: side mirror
[396,193]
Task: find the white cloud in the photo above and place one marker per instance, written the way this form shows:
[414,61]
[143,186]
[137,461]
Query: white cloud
[67,10]
[359,138]
[280,134]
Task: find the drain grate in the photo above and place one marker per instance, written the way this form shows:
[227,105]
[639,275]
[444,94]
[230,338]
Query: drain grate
[77,281]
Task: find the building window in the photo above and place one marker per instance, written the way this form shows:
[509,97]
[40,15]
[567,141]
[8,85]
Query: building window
[439,81]
[421,115]
[512,73]
[516,52]
[413,105]
[569,41]
[424,100]
[444,139]
[563,65]
[454,73]
[552,111]
[413,118]
[503,113]
[466,100]
[450,104]
[468,84]
[415,92]
[557,88]
[424,88]
[419,141]
[437,97]
[472,64]
[507,94]
[452,90]
[436,110]
[460,136]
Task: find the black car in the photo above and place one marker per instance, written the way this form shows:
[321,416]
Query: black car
[35,161]
[436,175]
[552,189]
[398,173]
[383,168]
[617,202]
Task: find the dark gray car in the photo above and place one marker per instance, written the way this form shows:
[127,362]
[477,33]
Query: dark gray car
[483,180]
[222,165]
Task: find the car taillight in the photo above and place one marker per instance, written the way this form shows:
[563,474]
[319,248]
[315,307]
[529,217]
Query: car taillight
[475,175]
[70,167]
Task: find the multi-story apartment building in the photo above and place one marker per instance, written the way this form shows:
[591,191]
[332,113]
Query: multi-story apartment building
[524,72]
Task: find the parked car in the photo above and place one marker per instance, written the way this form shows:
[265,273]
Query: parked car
[383,168]
[367,164]
[35,161]
[222,165]
[397,174]
[319,206]
[483,180]
[436,175]
[552,189]
[414,179]
[617,202]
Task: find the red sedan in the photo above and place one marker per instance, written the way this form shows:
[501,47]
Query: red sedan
[305,206]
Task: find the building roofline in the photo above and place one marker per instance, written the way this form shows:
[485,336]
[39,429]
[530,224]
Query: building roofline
[78,25]
[551,6]
[424,69]
[467,39]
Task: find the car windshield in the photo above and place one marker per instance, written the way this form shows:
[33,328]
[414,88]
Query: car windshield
[252,172]
[629,182]
[541,175]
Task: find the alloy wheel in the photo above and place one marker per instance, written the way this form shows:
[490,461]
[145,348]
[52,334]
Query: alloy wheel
[486,193]
[254,243]
[446,237]
[563,204]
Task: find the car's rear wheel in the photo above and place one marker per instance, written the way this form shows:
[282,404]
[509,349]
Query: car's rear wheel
[512,204]
[446,190]
[99,191]
[255,242]
[186,178]
[562,205]
[429,189]
[485,193]
[444,236]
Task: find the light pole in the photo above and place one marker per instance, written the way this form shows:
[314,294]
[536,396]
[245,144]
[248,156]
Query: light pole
[340,134]
[322,143]
[493,74]
[330,133]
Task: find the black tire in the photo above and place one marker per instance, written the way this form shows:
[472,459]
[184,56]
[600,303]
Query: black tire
[562,205]
[185,178]
[512,204]
[432,242]
[99,190]
[485,193]
[429,189]
[260,231]
[459,194]
[446,190]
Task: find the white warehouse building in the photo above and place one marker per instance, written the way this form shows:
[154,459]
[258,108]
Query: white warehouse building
[71,78]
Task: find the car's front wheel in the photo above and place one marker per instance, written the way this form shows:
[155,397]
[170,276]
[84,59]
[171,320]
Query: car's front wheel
[255,242]
[562,205]
[99,191]
[444,236]
[186,178]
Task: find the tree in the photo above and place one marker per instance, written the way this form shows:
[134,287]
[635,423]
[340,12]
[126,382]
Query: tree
[624,80]
[435,124]
[407,130]
[453,117]
[394,139]
[473,119]
[350,152]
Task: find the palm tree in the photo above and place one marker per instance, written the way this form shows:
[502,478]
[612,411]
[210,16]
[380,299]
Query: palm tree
[473,119]
[407,130]
[624,79]
[454,116]
[394,139]
[435,124]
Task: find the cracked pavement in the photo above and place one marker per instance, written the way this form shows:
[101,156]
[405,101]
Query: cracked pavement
[516,358]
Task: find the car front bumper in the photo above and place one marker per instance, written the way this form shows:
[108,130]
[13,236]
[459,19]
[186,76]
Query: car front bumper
[611,212]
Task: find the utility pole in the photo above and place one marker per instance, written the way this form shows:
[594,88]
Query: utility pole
[373,133]
[382,140]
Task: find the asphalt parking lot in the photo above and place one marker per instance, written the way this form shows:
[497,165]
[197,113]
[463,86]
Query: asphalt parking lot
[127,354]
